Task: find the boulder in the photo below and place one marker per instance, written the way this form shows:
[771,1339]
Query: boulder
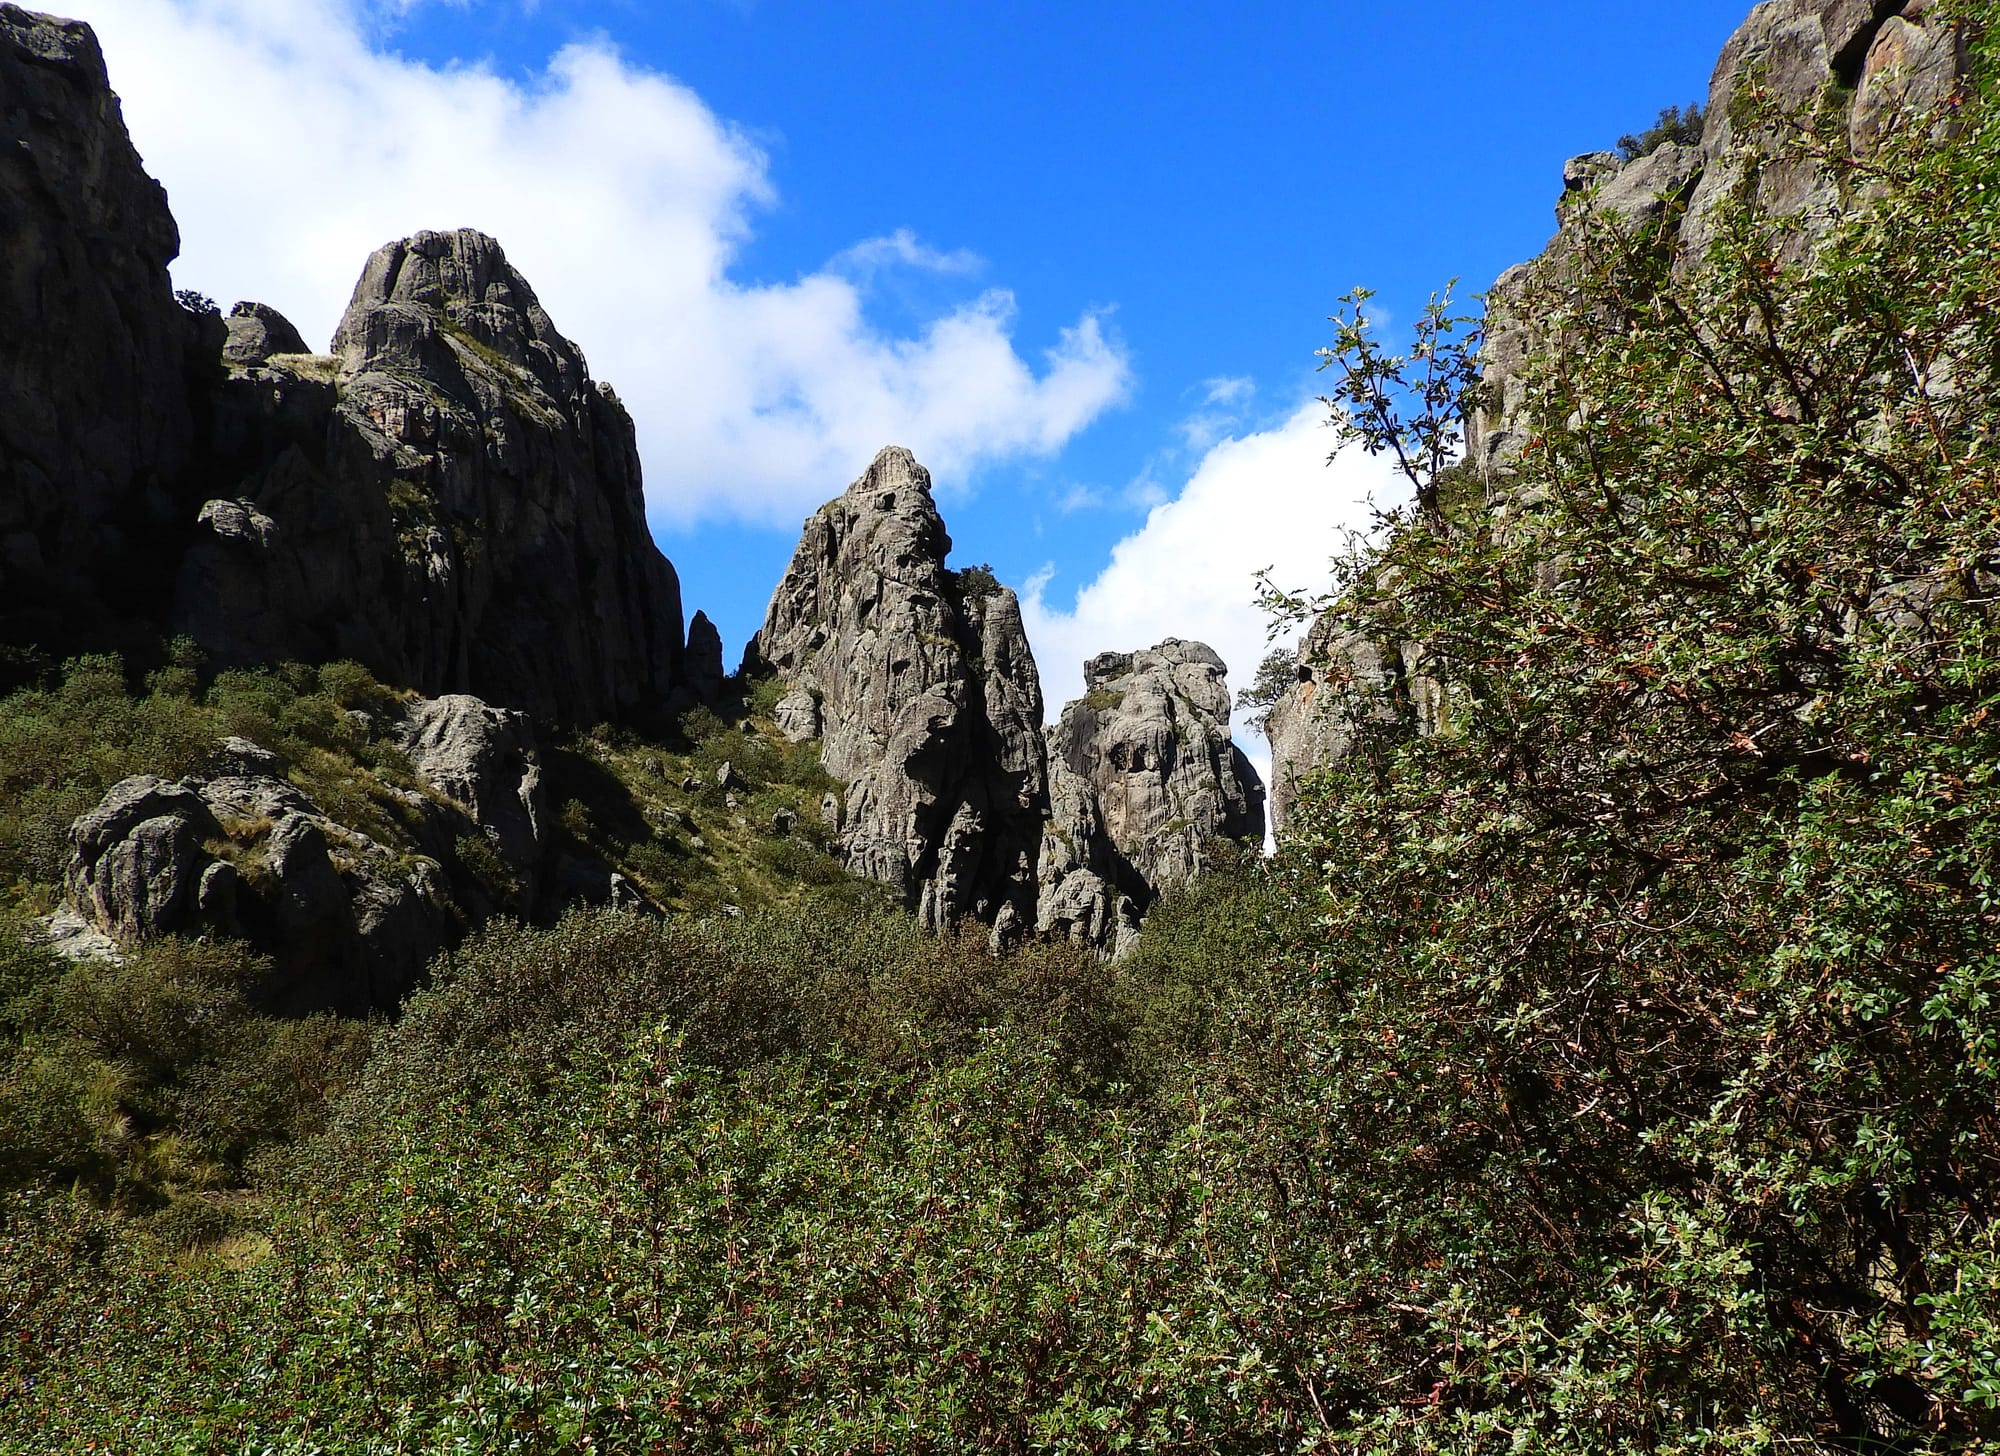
[483,759]
[349,924]
[256,332]
[797,715]
[1144,780]
[1914,66]
[1342,680]
[919,684]
[137,858]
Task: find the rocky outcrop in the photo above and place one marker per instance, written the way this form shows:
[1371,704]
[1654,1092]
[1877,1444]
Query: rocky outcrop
[1143,781]
[483,760]
[1877,64]
[239,852]
[349,923]
[255,332]
[702,677]
[449,499]
[95,423]
[1344,679]
[920,686]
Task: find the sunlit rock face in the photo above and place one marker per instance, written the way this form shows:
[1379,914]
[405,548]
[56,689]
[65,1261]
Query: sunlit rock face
[1853,69]
[920,686]
[1145,783]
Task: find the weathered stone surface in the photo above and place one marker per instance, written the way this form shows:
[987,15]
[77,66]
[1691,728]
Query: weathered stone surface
[1888,64]
[256,332]
[1143,780]
[239,851]
[1885,64]
[244,854]
[797,716]
[484,760]
[927,698]
[1909,75]
[137,857]
[95,422]
[1342,677]
[449,499]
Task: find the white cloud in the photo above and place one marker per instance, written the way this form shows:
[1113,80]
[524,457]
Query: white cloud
[1264,499]
[292,148]
[904,248]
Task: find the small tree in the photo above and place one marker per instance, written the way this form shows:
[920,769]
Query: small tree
[1275,676]
[1682,127]
[1410,405]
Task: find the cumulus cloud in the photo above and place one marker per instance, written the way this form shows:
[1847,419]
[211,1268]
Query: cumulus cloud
[292,147]
[1266,498]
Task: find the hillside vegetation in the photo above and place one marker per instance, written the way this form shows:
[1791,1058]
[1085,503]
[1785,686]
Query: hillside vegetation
[1616,1069]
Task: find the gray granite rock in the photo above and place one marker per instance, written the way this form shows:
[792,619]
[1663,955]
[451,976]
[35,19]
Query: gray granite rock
[256,332]
[241,852]
[1878,64]
[927,700]
[349,925]
[448,498]
[1144,780]
[702,674]
[484,760]
[1342,678]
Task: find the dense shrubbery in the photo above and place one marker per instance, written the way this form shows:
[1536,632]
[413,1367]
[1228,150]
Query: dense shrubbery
[1660,1104]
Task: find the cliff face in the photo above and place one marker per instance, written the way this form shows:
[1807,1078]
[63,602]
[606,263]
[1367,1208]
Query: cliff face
[448,498]
[1143,781]
[95,422]
[1850,70]
[921,688]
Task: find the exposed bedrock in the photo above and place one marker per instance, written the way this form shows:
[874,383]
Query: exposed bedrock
[448,498]
[95,355]
[1853,68]
[919,684]
[240,852]
[1144,783]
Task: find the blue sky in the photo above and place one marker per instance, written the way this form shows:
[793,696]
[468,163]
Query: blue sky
[1081,254]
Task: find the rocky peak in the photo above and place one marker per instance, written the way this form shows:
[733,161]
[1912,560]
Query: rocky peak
[1143,781]
[920,685]
[452,284]
[450,500]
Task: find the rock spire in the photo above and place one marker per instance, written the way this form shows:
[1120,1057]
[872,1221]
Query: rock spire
[921,688]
